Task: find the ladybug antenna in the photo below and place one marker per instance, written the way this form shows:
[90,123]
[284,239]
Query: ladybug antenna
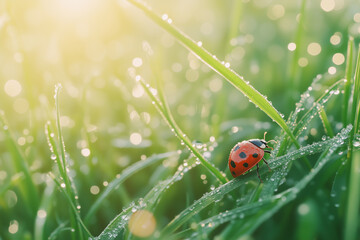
[269,140]
[264,135]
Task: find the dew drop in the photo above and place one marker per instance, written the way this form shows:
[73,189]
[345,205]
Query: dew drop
[164,17]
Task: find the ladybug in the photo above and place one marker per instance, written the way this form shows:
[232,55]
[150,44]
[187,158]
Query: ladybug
[247,154]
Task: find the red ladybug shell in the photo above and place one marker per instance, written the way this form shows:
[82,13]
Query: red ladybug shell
[243,157]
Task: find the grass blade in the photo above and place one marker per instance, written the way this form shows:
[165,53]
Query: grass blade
[44,211]
[348,73]
[148,202]
[352,218]
[27,185]
[294,66]
[165,113]
[325,122]
[309,115]
[70,191]
[128,172]
[81,226]
[221,68]
[356,96]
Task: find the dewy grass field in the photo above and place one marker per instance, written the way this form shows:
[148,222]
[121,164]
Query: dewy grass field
[118,118]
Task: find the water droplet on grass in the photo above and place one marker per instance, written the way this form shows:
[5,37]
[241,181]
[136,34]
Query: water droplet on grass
[164,17]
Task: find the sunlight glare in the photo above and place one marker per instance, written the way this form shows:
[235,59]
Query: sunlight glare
[76,8]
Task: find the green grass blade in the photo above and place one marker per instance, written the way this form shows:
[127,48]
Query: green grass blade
[356,96]
[50,136]
[70,189]
[325,121]
[351,221]
[44,211]
[27,185]
[165,113]
[61,228]
[149,202]
[300,107]
[219,192]
[221,68]
[348,73]
[294,66]
[235,17]
[310,114]
[74,210]
[352,216]
[128,172]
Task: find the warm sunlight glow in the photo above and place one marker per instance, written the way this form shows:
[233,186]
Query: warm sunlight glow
[75,8]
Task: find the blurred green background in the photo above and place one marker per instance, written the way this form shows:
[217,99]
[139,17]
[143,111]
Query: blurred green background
[92,47]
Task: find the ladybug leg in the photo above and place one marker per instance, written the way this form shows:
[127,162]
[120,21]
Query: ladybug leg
[266,164]
[267,151]
[257,171]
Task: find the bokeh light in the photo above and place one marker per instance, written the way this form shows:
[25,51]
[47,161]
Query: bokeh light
[338,58]
[135,138]
[292,46]
[14,227]
[327,5]
[12,88]
[335,39]
[314,48]
[142,223]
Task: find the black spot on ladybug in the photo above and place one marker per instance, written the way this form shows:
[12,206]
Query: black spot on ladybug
[242,155]
[245,164]
[255,155]
[233,173]
[232,164]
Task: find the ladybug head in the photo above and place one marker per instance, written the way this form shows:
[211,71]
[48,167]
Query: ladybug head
[261,143]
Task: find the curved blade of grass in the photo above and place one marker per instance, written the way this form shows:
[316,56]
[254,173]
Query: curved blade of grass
[58,230]
[352,218]
[219,192]
[278,176]
[326,122]
[70,190]
[74,209]
[165,113]
[348,73]
[9,183]
[356,96]
[304,99]
[300,106]
[149,202]
[310,114]
[258,212]
[45,205]
[128,172]
[26,185]
[219,67]
[294,66]
[235,17]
